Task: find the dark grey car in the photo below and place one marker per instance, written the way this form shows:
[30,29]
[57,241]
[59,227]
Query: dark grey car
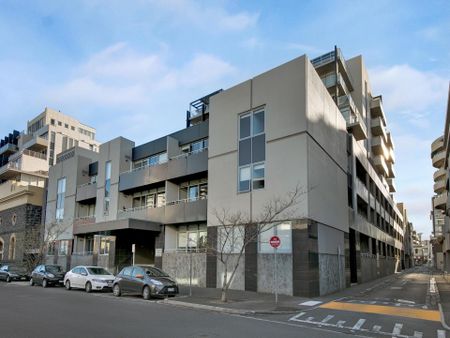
[11,272]
[46,275]
[144,280]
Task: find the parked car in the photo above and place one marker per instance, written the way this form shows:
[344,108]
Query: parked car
[144,280]
[10,272]
[88,278]
[46,275]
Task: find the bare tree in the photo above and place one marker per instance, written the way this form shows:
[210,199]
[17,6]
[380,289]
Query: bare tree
[235,231]
[37,241]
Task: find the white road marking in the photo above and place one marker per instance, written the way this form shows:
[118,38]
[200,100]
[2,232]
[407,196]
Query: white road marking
[327,318]
[418,334]
[297,316]
[309,319]
[340,323]
[358,324]
[396,287]
[376,328]
[397,328]
[311,303]
[441,333]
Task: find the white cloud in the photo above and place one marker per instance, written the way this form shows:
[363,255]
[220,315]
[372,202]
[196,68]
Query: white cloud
[252,43]
[301,47]
[206,16]
[120,75]
[410,92]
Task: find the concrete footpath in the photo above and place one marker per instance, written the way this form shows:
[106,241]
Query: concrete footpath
[443,297]
[247,302]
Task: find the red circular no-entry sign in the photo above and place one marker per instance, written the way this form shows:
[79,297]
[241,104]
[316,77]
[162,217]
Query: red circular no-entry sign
[274,241]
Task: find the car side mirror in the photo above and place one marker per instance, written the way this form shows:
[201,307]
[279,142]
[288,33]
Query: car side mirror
[84,274]
[140,276]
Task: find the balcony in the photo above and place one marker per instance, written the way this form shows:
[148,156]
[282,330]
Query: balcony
[326,63]
[86,220]
[379,147]
[86,192]
[440,201]
[376,108]
[143,176]
[391,185]
[438,159]
[10,188]
[390,142]
[440,174]
[332,80]
[380,165]
[355,123]
[8,149]
[379,128]
[189,210]
[37,143]
[391,155]
[361,190]
[391,171]
[188,164]
[438,144]
[440,186]
[26,161]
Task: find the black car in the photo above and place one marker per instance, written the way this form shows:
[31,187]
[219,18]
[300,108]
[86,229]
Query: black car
[144,280]
[46,275]
[11,272]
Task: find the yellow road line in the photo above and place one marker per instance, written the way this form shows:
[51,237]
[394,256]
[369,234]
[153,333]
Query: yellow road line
[432,315]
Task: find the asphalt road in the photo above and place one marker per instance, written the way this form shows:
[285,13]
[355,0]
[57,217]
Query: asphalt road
[401,306]
[36,312]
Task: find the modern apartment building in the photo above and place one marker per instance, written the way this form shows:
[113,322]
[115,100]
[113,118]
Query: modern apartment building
[308,124]
[24,162]
[440,150]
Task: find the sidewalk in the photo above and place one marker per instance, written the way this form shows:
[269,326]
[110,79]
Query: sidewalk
[443,284]
[247,302]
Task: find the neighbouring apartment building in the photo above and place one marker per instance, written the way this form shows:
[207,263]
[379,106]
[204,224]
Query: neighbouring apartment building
[24,162]
[440,149]
[313,124]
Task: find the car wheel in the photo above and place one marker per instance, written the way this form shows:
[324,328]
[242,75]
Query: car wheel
[88,287]
[116,290]
[31,282]
[67,285]
[146,294]
[8,279]
[44,283]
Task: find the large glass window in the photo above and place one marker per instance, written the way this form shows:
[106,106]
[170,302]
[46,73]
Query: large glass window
[63,248]
[149,198]
[105,245]
[283,231]
[191,237]
[150,161]
[252,151]
[60,195]
[193,190]
[107,187]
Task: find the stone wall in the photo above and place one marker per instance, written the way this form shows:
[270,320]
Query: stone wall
[238,282]
[331,272]
[177,265]
[266,273]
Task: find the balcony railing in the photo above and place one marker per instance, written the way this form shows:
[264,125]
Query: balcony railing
[187,200]
[147,165]
[8,147]
[184,155]
[160,205]
[27,152]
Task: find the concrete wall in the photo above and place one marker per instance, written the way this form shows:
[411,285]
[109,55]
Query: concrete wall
[177,265]
[238,282]
[266,273]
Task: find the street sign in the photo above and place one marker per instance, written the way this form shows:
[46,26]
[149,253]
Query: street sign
[274,241]
[133,248]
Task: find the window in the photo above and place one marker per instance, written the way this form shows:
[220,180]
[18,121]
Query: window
[150,161]
[59,123]
[52,148]
[66,126]
[149,198]
[72,128]
[195,147]
[107,187]
[1,248]
[127,271]
[52,122]
[12,247]
[63,248]
[191,237]
[137,271]
[60,195]
[252,149]
[283,231]
[51,249]
[230,239]
[193,190]
[104,246]
[64,143]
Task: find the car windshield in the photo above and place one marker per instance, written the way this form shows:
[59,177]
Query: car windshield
[98,271]
[155,272]
[53,268]
[16,269]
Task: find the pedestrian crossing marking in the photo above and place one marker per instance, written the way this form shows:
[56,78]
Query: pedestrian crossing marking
[431,315]
[340,323]
[358,324]
[376,328]
[327,318]
[441,333]
[397,329]
[418,334]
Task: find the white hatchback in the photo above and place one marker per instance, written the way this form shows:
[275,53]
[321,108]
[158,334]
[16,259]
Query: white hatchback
[88,278]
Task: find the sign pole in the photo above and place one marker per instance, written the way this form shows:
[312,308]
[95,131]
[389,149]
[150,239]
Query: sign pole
[133,249]
[276,277]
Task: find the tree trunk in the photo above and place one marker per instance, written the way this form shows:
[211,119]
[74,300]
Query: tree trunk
[224,297]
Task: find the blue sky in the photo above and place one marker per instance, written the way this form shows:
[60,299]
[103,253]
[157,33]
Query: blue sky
[130,68]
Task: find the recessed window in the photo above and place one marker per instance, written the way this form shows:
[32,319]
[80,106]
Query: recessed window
[59,123]
[105,245]
[52,122]
[252,151]
[66,126]
[72,127]
[60,196]
[14,219]
[283,231]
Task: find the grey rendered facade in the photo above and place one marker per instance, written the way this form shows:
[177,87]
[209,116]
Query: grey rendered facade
[313,125]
